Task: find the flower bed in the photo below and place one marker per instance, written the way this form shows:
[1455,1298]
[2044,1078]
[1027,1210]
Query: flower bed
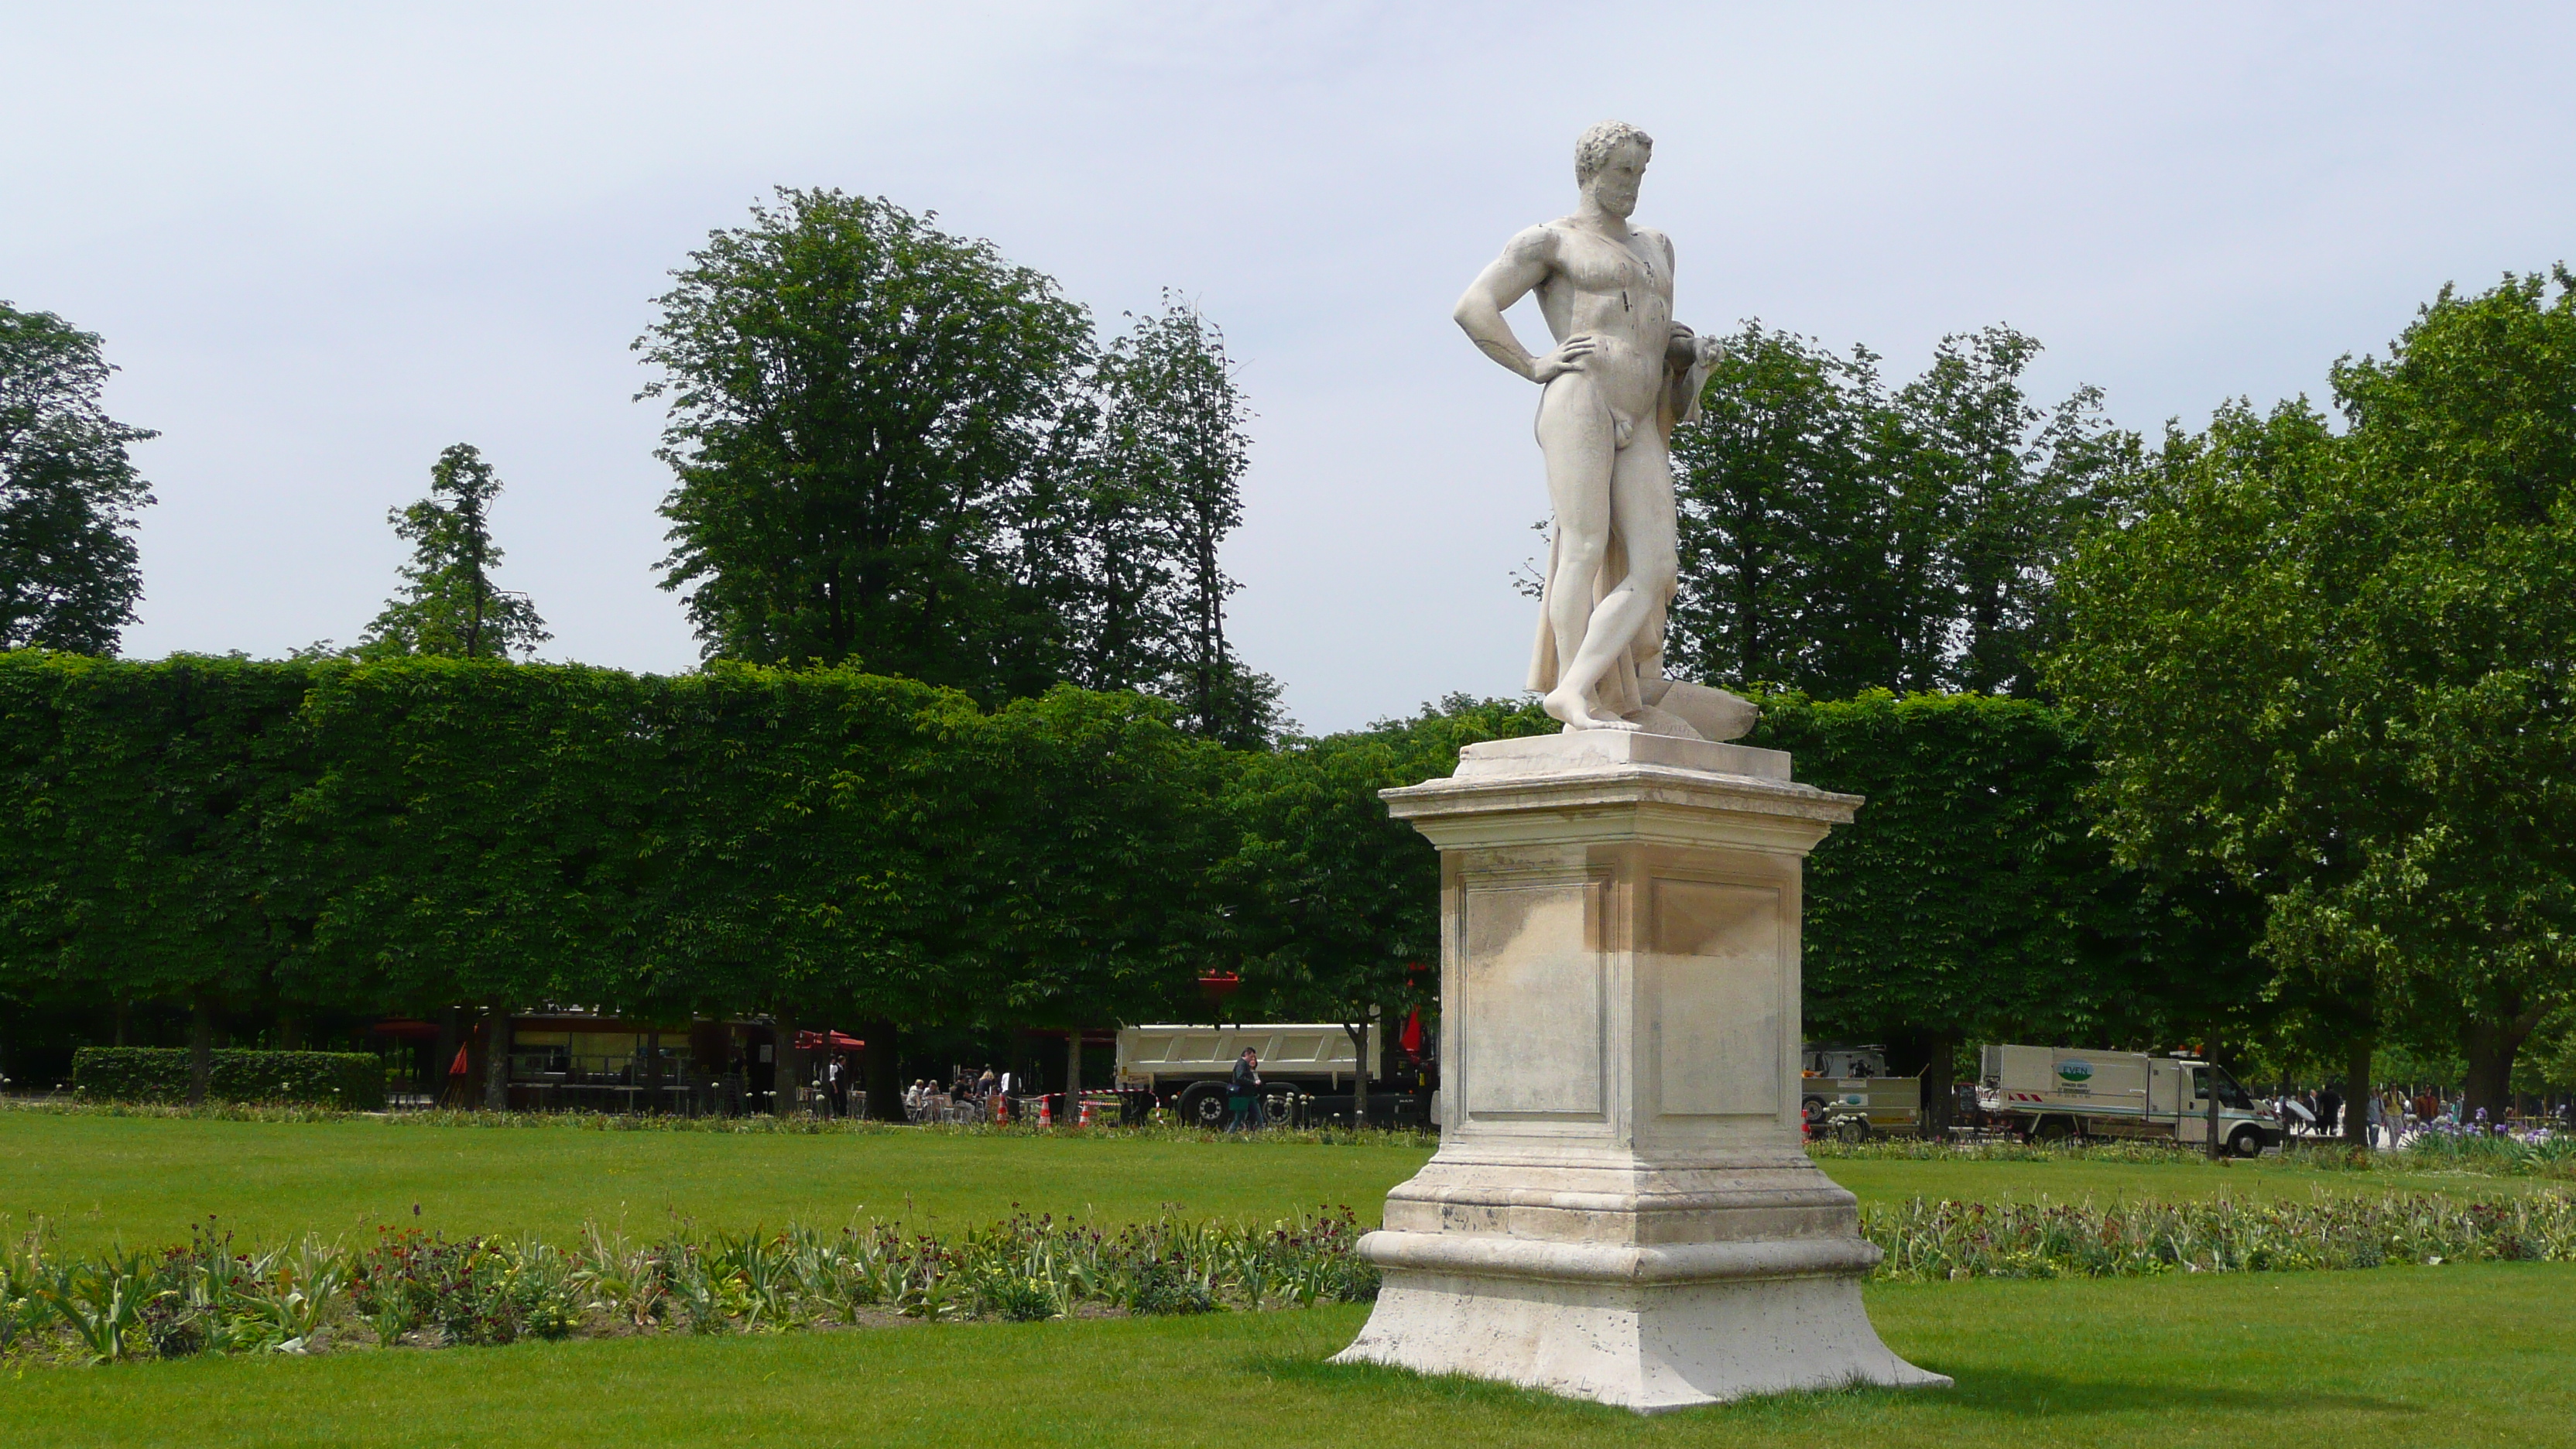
[413,1289]
[1947,1239]
[410,1288]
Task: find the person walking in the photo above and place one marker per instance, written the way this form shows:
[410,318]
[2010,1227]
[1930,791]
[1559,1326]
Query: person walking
[1243,1093]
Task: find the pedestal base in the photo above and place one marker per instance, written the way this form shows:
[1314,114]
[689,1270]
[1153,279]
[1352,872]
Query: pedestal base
[1647,1348]
[1620,1209]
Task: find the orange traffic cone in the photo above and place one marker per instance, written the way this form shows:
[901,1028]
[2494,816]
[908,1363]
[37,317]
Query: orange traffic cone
[1001,1108]
[1085,1119]
[1046,1115]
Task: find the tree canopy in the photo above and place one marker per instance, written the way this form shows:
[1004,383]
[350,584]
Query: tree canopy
[69,492]
[2335,665]
[449,604]
[1837,536]
[862,409]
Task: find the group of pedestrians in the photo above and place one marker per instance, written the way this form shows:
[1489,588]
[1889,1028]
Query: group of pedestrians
[926,1098]
[2392,1114]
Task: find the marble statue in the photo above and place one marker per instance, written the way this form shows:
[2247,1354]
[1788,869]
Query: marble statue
[1621,1207]
[1622,375]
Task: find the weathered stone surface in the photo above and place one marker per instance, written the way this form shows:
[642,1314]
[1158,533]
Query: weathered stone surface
[1620,1208]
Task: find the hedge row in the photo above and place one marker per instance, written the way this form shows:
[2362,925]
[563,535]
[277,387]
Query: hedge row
[353,1081]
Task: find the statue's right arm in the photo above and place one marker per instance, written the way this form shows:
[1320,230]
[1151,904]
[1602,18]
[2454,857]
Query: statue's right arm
[1524,264]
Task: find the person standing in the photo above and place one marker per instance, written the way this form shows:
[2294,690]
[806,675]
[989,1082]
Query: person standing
[1243,1093]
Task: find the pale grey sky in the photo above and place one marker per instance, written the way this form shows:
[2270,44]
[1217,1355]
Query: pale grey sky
[323,242]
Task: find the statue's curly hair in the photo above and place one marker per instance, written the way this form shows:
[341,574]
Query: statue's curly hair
[1592,149]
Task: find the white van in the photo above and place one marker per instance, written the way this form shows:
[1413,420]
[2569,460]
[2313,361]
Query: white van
[2053,1093]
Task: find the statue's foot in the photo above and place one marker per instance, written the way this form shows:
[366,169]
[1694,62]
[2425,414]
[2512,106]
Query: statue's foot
[1577,713]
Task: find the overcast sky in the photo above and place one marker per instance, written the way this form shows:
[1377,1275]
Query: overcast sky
[323,243]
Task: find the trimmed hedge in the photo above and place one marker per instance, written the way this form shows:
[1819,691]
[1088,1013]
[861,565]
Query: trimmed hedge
[354,1081]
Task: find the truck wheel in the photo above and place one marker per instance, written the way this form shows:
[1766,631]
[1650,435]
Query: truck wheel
[1203,1105]
[1852,1129]
[2052,1129]
[2246,1143]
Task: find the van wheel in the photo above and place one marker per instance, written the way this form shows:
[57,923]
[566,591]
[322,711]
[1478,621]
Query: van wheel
[2246,1143]
[1203,1105]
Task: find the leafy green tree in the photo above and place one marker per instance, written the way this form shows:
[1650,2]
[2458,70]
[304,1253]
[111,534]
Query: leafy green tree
[1783,521]
[449,605]
[2336,667]
[1837,537]
[860,406]
[2006,486]
[69,493]
[1165,490]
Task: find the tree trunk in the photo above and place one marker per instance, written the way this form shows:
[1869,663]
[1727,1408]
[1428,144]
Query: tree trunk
[122,1007]
[2490,1046]
[451,1037]
[201,1047]
[882,1071]
[1360,1072]
[1940,1085]
[1072,1075]
[496,1059]
[786,1065]
[2356,1090]
[653,1073]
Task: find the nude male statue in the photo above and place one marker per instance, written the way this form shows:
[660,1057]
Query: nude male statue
[1622,376]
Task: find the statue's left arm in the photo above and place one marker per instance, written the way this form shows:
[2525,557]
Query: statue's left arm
[1687,360]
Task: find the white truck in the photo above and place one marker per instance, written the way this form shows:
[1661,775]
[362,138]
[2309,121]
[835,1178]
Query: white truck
[2053,1093]
[1190,1065]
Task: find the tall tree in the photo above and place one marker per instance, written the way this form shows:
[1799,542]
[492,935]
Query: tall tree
[859,406]
[2336,665]
[1837,537]
[1165,490]
[68,491]
[1784,521]
[449,604]
[2009,484]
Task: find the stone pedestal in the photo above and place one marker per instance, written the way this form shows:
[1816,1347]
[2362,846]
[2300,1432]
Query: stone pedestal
[1620,1209]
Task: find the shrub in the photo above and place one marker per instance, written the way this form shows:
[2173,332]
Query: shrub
[353,1081]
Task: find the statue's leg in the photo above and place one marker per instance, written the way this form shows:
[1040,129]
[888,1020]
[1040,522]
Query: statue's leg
[1641,512]
[1576,435]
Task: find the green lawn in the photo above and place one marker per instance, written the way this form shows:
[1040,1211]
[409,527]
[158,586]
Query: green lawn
[2457,1356]
[140,1181]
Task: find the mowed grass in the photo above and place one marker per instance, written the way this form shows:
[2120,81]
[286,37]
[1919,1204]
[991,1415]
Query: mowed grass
[2454,1356]
[141,1182]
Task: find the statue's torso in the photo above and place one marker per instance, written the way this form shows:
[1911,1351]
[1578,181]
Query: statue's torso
[1623,297]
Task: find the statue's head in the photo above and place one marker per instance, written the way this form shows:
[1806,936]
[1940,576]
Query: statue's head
[1609,160]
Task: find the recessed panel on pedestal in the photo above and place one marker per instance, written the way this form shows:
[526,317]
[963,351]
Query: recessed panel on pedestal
[1532,978]
[1717,998]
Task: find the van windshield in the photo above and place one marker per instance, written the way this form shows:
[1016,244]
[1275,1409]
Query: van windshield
[2229,1094]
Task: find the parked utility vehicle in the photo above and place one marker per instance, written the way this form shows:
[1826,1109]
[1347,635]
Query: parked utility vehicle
[1846,1092]
[2053,1093]
[1188,1067]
